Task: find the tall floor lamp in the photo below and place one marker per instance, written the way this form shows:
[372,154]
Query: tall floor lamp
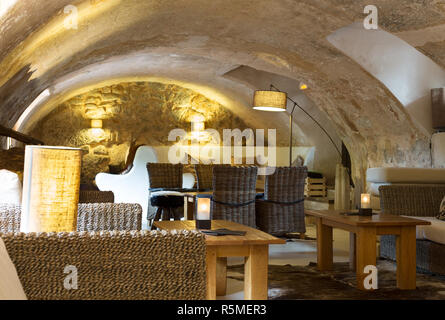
[276,101]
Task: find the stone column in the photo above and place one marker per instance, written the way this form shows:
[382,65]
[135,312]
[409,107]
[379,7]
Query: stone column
[438,150]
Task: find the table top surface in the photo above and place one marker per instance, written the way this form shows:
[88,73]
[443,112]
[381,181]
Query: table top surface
[377,220]
[252,237]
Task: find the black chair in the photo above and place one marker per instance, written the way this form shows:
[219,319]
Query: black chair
[164,179]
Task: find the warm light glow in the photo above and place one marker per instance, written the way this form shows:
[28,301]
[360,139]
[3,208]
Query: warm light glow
[274,101]
[41,98]
[273,109]
[97,132]
[303,86]
[96,124]
[203,209]
[198,126]
[197,118]
[5,5]
[365,201]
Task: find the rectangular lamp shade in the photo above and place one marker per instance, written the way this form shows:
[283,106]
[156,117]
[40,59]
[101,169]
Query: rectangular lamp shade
[51,182]
[203,215]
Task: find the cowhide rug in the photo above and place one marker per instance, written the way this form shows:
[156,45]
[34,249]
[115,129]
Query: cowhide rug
[306,282]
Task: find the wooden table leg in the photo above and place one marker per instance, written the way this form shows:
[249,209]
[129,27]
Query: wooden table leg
[221,276]
[211,272]
[255,273]
[406,258]
[365,253]
[352,251]
[324,246]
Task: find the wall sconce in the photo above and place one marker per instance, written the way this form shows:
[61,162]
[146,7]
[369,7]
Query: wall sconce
[198,126]
[96,124]
[51,183]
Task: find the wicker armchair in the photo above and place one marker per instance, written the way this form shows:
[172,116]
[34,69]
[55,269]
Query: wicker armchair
[234,194]
[90,217]
[93,196]
[117,265]
[204,175]
[281,210]
[414,200]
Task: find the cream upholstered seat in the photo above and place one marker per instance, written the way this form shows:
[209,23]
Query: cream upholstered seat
[387,176]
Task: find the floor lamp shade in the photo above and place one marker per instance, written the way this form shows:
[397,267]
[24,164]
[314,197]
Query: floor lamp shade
[270,101]
[51,182]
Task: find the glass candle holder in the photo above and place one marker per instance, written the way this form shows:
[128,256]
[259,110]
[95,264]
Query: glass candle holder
[203,219]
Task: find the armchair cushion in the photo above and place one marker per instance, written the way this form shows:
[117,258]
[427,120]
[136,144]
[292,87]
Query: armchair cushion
[10,188]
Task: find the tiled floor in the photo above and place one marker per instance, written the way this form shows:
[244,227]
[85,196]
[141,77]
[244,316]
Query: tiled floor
[300,252]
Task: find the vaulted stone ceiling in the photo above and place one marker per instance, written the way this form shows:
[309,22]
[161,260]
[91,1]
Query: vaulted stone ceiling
[285,37]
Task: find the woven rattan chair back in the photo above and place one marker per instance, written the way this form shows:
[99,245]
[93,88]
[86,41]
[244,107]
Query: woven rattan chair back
[165,175]
[204,175]
[93,196]
[234,194]
[286,184]
[282,209]
[90,217]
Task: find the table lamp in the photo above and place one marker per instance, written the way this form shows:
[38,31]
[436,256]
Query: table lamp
[365,205]
[203,218]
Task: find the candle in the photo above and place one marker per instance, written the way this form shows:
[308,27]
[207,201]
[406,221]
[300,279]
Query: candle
[203,209]
[365,201]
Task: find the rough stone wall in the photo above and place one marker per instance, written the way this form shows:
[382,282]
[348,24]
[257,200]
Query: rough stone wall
[139,112]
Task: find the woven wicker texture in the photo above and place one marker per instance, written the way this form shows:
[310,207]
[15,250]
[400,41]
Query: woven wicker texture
[91,217]
[414,200]
[10,216]
[117,265]
[109,216]
[285,185]
[422,200]
[204,175]
[234,185]
[92,196]
[165,175]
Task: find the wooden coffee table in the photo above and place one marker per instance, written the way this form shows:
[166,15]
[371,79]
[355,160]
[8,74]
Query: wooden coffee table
[254,246]
[364,231]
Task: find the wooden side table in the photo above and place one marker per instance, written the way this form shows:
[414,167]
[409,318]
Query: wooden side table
[366,230]
[254,246]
